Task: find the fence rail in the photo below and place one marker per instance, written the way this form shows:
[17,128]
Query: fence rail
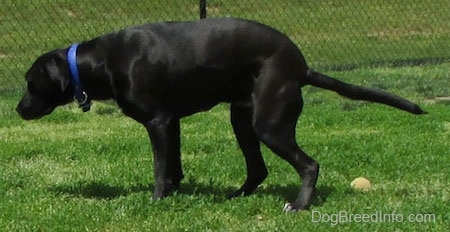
[333,34]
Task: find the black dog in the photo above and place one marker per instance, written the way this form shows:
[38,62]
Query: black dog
[159,73]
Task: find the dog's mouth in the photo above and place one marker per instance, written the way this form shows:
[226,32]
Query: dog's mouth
[34,114]
[47,111]
[33,109]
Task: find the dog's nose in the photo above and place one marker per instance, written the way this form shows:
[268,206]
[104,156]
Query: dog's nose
[19,110]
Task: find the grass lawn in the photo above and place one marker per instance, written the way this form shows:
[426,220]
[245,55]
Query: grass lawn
[73,171]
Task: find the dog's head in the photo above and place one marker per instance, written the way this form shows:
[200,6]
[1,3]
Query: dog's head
[47,86]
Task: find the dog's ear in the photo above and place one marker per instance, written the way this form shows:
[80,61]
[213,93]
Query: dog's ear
[57,70]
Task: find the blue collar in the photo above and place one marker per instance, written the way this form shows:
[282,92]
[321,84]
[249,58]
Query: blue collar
[80,95]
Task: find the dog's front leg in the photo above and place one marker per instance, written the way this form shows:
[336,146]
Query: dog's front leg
[164,132]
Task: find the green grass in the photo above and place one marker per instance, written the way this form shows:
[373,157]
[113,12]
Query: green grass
[73,171]
[337,33]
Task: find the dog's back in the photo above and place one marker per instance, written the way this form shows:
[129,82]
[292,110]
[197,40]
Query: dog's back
[212,42]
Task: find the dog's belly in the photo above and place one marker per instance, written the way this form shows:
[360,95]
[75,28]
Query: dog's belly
[204,93]
[201,89]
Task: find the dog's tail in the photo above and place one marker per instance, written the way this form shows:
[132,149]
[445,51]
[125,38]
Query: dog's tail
[361,93]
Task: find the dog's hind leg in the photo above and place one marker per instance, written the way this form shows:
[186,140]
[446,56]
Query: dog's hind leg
[276,111]
[241,119]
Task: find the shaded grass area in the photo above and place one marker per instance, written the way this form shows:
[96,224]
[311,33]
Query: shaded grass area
[71,171]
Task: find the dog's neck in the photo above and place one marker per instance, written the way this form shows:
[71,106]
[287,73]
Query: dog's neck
[83,99]
[92,72]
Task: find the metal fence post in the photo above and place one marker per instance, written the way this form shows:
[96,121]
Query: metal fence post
[202,9]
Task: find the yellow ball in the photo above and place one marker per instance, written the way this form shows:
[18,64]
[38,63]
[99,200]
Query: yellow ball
[361,184]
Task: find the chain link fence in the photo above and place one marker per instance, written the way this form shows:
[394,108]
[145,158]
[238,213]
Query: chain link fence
[333,34]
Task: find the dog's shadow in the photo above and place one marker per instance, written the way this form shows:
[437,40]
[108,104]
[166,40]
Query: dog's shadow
[290,192]
[104,191]
[97,190]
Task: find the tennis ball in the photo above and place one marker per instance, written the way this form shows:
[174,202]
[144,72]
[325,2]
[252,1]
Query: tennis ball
[361,184]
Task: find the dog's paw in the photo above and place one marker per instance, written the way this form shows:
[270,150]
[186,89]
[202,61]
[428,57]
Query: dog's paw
[289,208]
[292,207]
